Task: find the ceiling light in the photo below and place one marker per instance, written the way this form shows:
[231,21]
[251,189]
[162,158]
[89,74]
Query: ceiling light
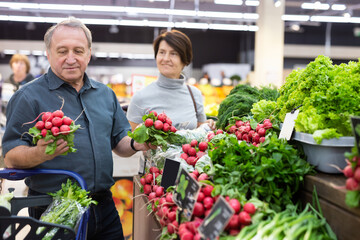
[277,3]
[338,7]
[335,19]
[9,51]
[254,3]
[316,6]
[298,18]
[97,8]
[295,27]
[191,25]
[60,6]
[347,15]
[229,2]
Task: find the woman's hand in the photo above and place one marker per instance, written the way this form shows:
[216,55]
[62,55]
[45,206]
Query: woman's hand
[211,123]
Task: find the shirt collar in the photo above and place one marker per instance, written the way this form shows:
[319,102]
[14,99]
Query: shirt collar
[170,83]
[55,82]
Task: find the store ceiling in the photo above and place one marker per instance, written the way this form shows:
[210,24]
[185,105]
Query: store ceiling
[195,14]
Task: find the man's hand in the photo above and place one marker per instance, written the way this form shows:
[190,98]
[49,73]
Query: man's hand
[61,147]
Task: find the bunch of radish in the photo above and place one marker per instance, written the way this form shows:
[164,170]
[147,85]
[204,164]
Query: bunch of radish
[189,230]
[194,151]
[352,174]
[241,217]
[157,129]
[54,125]
[162,203]
[244,132]
[199,176]
[161,122]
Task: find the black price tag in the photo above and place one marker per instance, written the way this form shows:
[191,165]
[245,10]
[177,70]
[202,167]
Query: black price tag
[186,192]
[355,122]
[170,172]
[216,221]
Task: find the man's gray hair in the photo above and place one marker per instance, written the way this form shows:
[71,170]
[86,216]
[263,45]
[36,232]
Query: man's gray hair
[70,22]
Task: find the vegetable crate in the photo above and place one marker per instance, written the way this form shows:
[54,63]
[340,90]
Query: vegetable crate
[17,223]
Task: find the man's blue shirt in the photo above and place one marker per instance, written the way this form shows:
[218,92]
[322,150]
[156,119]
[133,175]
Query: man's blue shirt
[95,108]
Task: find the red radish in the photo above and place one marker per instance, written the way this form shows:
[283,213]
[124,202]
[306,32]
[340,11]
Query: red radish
[259,126]
[173,129]
[65,129]
[238,135]
[154,170]
[203,176]
[159,191]
[58,113]
[348,171]
[200,197]
[192,174]
[256,138]
[151,196]
[186,148]
[147,189]
[149,178]
[198,209]
[357,174]
[196,172]
[191,161]
[239,123]
[162,201]
[168,121]
[197,236]
[210,136]
[187,236]
[184,156]
[153,112]
[142,181]
[172,216]
[67,121]
[262,132]
[169,197]
[267,125]
[219,131]
[245,137]
[158,125]
[200,154]
[162,117]
[352,184]
[40,125]
[208,202]
[172,227]
[154,187]
[244,218]
[262,139]
[48,125]
[194,143]
[249,208]
[234,222]
[235,204]
[203,146]
[149,122]
[44,132]
[192,151]
[232,129]
[47,116]
[207,190]
[166,127]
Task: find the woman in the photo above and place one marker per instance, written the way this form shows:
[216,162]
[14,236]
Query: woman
[20,66]
[170,93]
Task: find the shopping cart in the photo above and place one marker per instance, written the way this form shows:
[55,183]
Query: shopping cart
[10,218]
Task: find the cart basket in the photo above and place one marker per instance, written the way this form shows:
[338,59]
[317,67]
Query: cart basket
[8,218]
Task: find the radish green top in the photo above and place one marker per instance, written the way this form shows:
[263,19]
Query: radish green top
[172,97]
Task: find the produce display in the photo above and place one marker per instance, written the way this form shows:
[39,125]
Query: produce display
[352,174]
[328,95]
[240,100]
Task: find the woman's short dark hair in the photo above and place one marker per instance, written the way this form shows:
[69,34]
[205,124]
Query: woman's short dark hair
[179,42]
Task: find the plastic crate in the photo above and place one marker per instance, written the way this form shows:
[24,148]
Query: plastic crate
[329,152]
[18,223]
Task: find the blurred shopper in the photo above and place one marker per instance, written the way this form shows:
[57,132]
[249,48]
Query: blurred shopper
[170,93]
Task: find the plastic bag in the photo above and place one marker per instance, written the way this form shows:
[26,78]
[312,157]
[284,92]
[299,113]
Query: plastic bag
[63,211]
[199,133]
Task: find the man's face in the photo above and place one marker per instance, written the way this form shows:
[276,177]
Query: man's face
[69,54]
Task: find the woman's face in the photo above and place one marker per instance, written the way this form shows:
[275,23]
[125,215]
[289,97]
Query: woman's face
[18,67]
[168,61]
